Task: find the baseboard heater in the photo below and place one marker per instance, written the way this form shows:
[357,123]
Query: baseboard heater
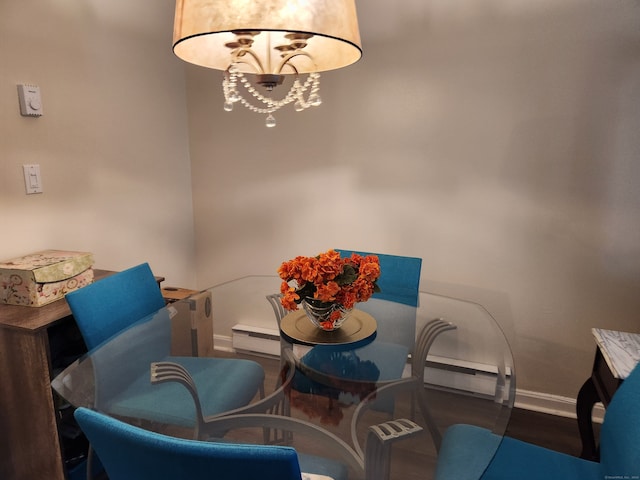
[472,377]
[256,340]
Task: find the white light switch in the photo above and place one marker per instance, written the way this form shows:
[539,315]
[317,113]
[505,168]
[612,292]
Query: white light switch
[32,179]
[30,102]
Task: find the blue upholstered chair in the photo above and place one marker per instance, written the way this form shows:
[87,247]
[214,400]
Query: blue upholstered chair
[465,449]
[399,283]
[129,452]
[109,307]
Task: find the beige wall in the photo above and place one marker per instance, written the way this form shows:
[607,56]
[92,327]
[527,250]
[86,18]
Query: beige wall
[497,140]
[112,143]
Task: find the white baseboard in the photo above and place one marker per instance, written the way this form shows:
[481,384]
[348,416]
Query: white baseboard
[222,343]
[553,404]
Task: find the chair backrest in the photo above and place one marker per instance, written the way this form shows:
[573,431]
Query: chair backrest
[111,304]
[117,364]
[620,432]
[399,283]
[399,277]
[128,452]
[278,309]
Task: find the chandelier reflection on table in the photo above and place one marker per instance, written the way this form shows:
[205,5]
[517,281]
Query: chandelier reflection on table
[271,40]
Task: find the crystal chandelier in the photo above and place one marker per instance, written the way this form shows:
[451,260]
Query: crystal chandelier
[271,40]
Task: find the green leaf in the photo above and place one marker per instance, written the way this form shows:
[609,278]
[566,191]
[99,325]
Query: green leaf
[306,291]
[348,276]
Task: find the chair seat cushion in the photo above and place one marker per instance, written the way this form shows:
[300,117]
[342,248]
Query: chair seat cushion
[534,462]
[351,375]
[465,452]
[467,449]
[223,384]
[371,363]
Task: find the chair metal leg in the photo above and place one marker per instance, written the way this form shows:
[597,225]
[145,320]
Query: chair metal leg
[428,418]
[425,340]
[90,463]
[378,449]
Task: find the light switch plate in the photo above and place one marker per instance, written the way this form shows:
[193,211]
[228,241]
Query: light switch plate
[32,179]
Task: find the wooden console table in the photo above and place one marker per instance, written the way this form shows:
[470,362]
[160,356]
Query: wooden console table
[616,355]
[31,443]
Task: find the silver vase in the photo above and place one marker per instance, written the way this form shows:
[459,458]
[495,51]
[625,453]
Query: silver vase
[322,314]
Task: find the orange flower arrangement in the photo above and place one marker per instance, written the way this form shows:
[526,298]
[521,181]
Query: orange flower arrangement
[329,278]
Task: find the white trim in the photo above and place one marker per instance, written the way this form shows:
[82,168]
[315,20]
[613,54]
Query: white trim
[553,404]
[222,343]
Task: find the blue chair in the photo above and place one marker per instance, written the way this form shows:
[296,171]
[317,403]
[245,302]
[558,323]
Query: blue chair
[129,452]
[110,307]
[467,449]
[396,329]
[114,303]
[399,281]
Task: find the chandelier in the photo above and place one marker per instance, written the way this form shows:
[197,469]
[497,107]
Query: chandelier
[272,42]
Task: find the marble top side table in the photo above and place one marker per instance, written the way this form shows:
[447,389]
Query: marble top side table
[617,353]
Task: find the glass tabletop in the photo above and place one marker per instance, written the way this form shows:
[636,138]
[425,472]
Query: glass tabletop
[390,395]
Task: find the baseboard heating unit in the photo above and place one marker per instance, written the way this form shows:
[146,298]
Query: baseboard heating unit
[256,340]
[440,371]
[473,377]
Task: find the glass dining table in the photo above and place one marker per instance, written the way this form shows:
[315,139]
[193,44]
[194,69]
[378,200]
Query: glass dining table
[377,395]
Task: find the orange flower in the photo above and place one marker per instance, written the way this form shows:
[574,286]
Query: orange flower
[327,278]
[363,288]
[289,301]
[370,269]
[327,293]
[328,324]
[330,265]
[308,269]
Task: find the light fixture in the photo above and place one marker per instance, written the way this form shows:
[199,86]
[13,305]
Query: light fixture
[271,39]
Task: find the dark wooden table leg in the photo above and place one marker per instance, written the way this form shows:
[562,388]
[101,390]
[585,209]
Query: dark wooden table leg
[587,398]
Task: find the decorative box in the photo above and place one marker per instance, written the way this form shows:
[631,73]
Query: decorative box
[44,277]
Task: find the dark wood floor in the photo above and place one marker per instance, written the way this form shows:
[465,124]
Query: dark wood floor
[550,431]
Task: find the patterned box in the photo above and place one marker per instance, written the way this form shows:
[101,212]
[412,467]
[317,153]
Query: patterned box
[44,277]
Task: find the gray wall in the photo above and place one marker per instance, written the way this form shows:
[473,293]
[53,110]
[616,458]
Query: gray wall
[112,144]
[497,140]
